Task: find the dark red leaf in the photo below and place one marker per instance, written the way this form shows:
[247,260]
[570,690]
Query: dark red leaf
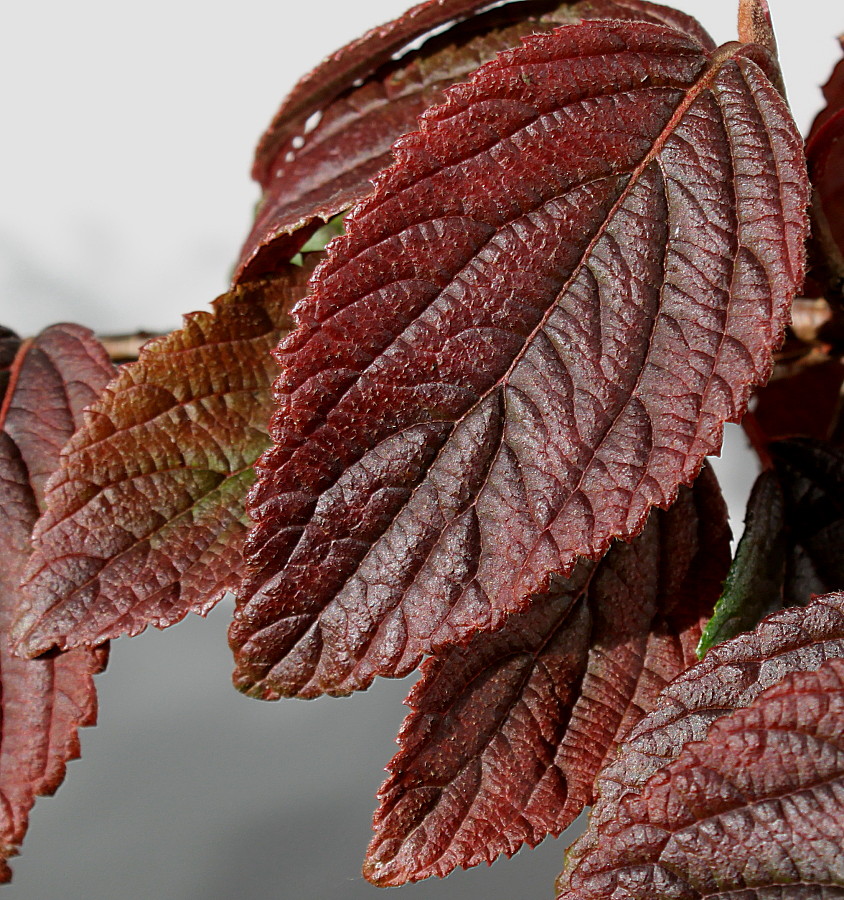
[731,677]
[145,518]
[530,335]
[44,702]
[825,155]
[507,734]
[362,101]
[804,404]
[753,806]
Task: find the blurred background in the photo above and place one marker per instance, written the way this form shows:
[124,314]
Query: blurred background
[126,149]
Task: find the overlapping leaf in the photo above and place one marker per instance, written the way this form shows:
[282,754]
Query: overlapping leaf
[825,154]
[531,333]
[507,734]
[750,806]
[362,100]
[45,384]
[145,518]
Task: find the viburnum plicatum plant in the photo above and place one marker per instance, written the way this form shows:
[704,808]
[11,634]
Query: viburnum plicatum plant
[469,435]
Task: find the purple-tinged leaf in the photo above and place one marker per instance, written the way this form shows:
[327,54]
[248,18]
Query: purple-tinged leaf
[732,676]
[754,586]
[507,734]
[46,382]
[754,810]
[362,101]
[531,334]
[145,518]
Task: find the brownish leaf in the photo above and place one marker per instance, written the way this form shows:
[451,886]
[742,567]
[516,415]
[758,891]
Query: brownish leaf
[531,334]
[145,517]
[362,100]
[46,383]
[507,734]
[731,677]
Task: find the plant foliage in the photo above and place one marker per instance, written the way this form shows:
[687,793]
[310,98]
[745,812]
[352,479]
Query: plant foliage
[573,238]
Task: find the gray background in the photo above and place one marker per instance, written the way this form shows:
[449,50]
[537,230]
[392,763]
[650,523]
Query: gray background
[127,138]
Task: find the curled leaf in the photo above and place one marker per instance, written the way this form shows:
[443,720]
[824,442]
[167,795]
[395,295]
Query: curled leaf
[370,93]
[46,382]
[507,734]
[731,677]
[145,517]
[532,332]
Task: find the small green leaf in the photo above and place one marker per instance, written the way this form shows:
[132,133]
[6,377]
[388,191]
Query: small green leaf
[753,588]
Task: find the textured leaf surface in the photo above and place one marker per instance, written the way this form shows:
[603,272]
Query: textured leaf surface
[753,811]
[531,334]
[507,734]
[311,172]
[46,382]
[732,676]
[754,586]
[145,519]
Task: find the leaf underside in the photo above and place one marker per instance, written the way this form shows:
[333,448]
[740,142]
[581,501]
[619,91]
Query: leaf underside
[531,334]
[362,100]
[46,383]
[145,517]
[507,734]
[734,785]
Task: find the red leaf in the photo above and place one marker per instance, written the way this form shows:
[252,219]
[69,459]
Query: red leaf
[362,101]
[530,335]
[825,155]
[507,734]
[44,702]
[754,803]
[731,677]
[146,516]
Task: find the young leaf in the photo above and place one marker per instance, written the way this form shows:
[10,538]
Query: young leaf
[45,384]
[531,334]
[754,585]
[145,517]
[755,809]
[507,734]
[732,676]
[362,103]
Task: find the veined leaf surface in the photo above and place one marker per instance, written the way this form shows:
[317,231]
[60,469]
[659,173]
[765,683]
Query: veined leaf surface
[362,99]
[145,517]
[508,733]
[531,334]
[733,786]
[46,382]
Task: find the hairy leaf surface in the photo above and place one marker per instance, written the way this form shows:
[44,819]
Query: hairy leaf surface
[507,734]
[145,518]
[45,384]
[753,811]
[732,676]
[531,334]
[362,102]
